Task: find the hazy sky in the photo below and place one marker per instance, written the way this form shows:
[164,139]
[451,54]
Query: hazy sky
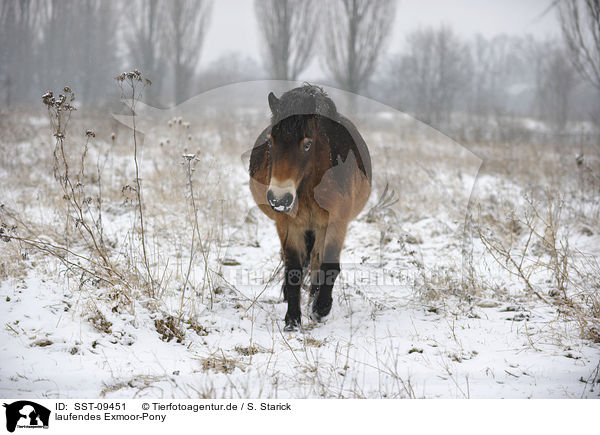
[233,26]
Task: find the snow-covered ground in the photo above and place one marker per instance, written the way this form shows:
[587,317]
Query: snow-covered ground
[404,324]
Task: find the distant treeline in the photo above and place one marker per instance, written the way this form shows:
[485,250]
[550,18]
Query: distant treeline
[477,84]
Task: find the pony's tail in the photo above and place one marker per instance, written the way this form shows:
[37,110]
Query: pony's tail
[386,200]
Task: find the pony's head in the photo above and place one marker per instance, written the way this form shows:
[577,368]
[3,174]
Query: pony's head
[292,142]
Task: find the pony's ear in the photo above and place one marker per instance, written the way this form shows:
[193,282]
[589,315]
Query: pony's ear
[273,102]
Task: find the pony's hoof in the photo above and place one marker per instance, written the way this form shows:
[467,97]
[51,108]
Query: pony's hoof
[316,317]
[291,325]
[320,312]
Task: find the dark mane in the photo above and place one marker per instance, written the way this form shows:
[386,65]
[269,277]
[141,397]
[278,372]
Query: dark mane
[292,127]
[305,100]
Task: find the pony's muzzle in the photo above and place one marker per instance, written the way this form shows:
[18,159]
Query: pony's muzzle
[281,196]
[283,204]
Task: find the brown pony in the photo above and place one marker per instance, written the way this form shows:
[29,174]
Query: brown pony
[310,171]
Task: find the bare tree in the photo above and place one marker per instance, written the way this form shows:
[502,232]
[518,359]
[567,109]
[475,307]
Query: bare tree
[18,21]
[554,85]
[495,67]
[356,31]
[78,46]
[186,25]
[434,69]
[145,39]
[288,29]
[580,23]
[492,66]
[96,44]
[229,68]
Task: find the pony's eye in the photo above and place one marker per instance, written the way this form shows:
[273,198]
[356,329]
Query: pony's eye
[307,144]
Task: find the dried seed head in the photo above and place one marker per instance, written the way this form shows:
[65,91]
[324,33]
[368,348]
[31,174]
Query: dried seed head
[48,98]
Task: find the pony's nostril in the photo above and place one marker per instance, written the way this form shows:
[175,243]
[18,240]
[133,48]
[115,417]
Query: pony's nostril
[287,199]
[282,204]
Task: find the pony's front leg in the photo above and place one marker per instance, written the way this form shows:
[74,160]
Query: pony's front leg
[291,288]
[294,252]
[324,278]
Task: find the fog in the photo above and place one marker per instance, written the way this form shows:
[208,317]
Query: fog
[477,63]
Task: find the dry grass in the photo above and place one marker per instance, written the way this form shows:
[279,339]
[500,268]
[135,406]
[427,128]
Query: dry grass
[533,233]
[165,242]
[187,204]
[220,363]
